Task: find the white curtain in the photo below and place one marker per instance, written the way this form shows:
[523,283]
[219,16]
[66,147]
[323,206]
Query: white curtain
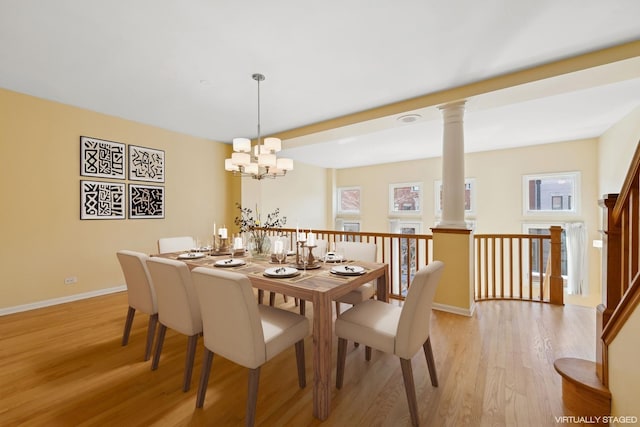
[577,278]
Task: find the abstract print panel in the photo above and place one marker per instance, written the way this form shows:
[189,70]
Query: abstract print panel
[146,164]
[101,200]
[146,201]
[100,158]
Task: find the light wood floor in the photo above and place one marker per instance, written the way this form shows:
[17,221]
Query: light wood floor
[64,366]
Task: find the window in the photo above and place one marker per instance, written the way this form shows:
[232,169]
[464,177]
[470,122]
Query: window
[407,247]
[349,200]
[469,196]
[543,229]
[353,226]
[551,193]
[405,198]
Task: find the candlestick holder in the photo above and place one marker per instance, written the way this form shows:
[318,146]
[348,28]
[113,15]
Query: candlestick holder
[310,258]
[221,246]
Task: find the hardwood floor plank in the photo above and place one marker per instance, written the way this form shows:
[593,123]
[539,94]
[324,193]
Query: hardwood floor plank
[65,366]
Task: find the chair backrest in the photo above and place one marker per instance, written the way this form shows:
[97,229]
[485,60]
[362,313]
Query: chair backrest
[175,244]
[231,321]
[140,290]
[178,306]
[414,324]
[357,251]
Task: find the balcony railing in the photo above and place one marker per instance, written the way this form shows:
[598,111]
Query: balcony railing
[508,266]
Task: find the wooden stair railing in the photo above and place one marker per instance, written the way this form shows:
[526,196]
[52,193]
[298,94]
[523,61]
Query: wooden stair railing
[586,381]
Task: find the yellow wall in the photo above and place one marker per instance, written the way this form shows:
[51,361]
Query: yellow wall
[301,196]
[43,239]
[455,290]
[617,146]
[624,375]
[498,179]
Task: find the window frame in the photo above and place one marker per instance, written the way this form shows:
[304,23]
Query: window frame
[574,200]
[339,191]
[412,212]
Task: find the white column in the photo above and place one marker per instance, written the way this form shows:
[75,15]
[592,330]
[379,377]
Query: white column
[453,166]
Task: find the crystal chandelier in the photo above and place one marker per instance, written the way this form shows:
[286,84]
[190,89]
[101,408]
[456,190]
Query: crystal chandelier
[260,161]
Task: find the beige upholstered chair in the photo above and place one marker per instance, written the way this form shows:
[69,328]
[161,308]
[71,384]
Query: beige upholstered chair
[178,309]
[396,330]
[140,293]
[175,244]
[357,251]
[237,328]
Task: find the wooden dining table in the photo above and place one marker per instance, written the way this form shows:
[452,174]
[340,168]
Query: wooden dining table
[320,287]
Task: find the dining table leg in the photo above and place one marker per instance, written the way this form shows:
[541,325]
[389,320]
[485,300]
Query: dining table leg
[382,291]
[322,347]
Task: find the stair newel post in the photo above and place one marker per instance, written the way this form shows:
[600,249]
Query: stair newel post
[611,279]
[556,292]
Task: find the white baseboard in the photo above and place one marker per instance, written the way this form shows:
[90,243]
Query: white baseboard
[62,300]
[456,310]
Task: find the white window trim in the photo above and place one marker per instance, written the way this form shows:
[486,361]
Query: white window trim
[339,201]
[575,208]
[417,212]
[351,221]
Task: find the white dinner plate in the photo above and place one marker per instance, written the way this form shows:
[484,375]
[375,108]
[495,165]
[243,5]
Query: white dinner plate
[348,270]
[281,272]
[191,255]
[231,262]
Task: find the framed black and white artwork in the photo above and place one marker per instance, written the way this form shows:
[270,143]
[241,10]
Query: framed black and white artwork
[102,200]
[102,159]
[146,201]
[146,164]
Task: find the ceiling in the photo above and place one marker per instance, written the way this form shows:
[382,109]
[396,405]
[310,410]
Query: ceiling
[187,66]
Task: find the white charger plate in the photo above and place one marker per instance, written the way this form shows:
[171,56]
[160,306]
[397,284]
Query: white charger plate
[281,272]
[191,255]
[231,262]
[348,270]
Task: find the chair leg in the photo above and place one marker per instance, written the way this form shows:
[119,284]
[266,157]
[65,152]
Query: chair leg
[367,353]
[127,325]
[286,298]
[431,363]
[159,343]
[410,389]
[204,377]
[337,309]
[342,356]
[252,397]
[302,375]
[151,331]
[303,307]
[260,296]
[272,298]
[188,363]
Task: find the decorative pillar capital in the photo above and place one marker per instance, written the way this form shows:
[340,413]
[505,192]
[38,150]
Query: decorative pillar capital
[453,111]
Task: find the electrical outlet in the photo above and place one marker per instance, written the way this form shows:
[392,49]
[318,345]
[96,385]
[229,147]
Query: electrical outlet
[70,280]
